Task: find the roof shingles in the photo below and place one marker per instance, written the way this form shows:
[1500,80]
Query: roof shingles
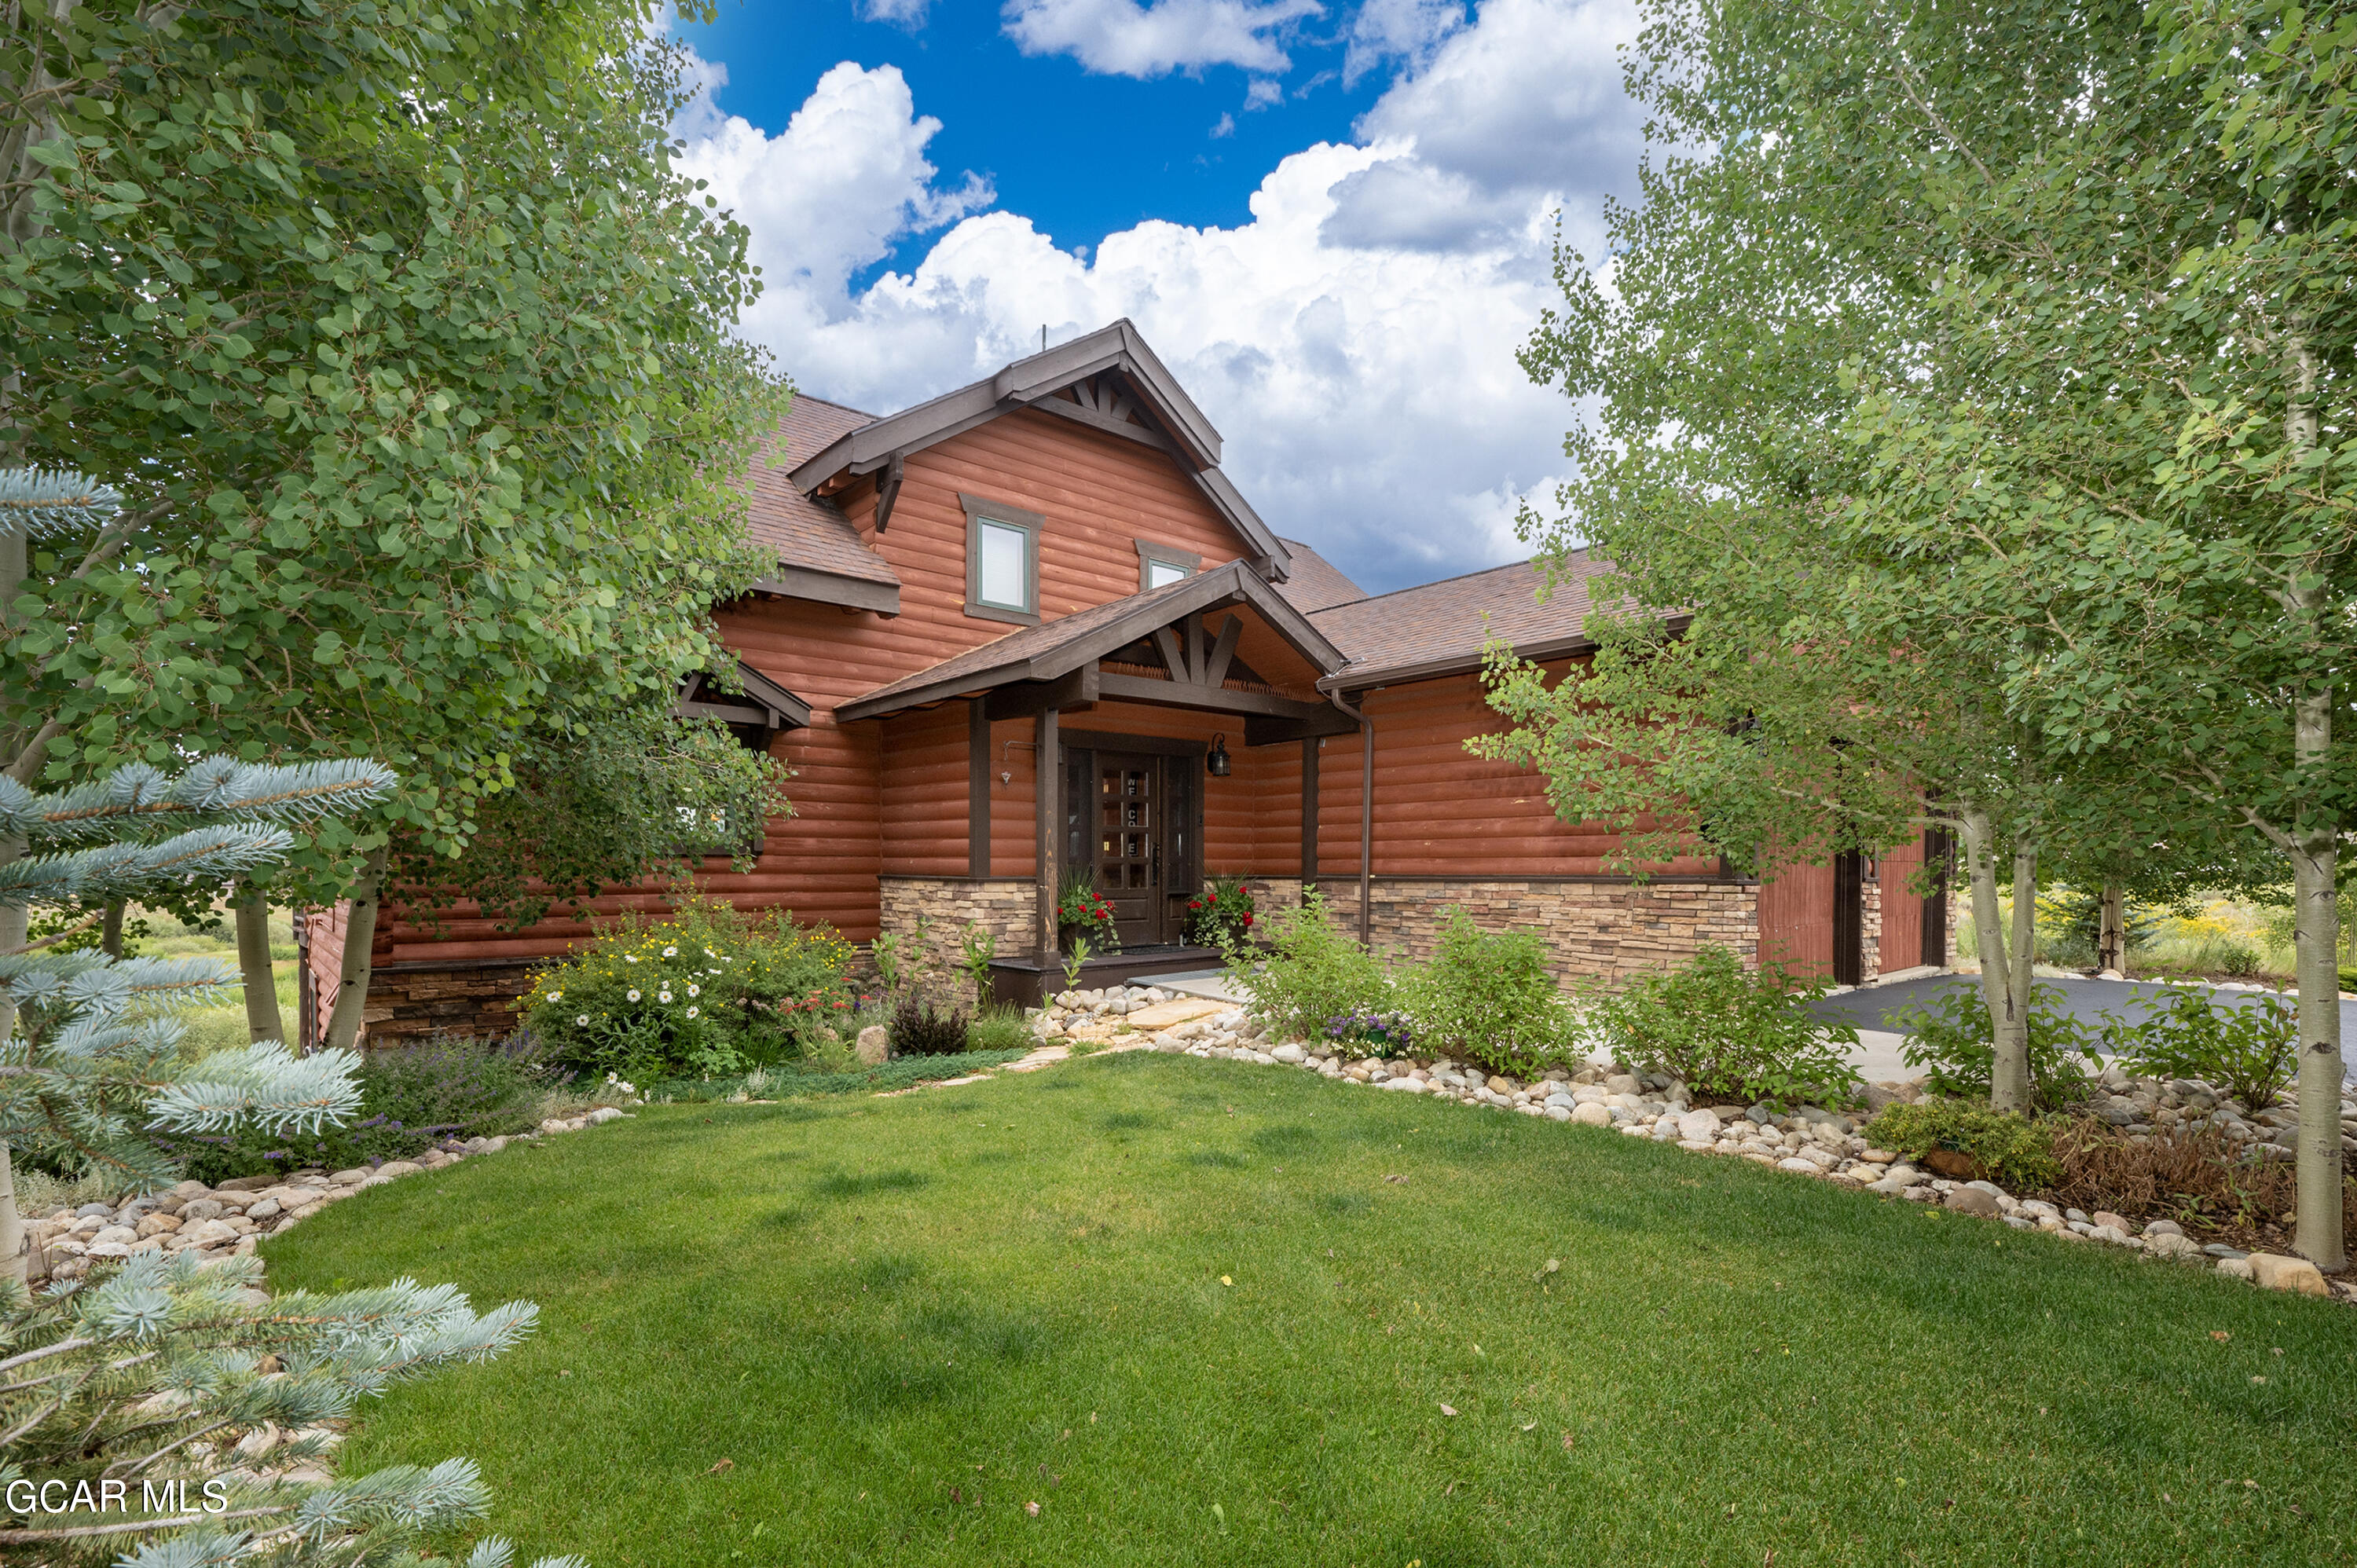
[1314,582]
[805,532]
[1447,623]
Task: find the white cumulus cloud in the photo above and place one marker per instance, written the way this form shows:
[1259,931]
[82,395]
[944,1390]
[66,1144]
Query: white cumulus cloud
[1354,340]
[1123,37]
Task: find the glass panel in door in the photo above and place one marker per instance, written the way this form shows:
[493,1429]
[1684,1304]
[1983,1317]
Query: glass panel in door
[1129,844]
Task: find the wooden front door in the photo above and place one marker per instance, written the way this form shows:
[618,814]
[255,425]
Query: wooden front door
[1132,838]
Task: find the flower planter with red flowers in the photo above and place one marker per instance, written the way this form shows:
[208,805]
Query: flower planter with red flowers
[1221,915]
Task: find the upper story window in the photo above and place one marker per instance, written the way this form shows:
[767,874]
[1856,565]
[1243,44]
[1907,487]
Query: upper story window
[1159,565]
[1002,562]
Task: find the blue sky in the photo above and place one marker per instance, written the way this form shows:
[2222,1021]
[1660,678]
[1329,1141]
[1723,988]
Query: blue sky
[1333,220]
[1081,152]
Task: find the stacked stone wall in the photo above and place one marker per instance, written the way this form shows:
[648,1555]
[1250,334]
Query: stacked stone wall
[408,1007]
[1605,931]
[934,913]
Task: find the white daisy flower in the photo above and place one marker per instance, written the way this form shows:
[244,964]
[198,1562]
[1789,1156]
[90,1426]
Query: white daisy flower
[695,990]
[662,995]
[692,1011]
[630,958]
[634,995]
[709,953]
[671,952]
[556,996]
[583,1021]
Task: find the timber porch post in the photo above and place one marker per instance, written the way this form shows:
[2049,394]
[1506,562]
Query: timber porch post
[1048,797]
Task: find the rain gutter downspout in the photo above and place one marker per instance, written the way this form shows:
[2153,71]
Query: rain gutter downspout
[1366,817]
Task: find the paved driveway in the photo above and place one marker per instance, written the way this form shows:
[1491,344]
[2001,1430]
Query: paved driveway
[1871,1008]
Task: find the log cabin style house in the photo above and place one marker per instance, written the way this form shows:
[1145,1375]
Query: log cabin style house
[1031,625]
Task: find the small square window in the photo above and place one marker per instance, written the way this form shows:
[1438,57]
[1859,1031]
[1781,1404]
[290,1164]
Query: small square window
[1159,565]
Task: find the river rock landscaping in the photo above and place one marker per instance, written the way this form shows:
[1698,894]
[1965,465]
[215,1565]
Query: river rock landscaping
[1806,1141]
[228,1221]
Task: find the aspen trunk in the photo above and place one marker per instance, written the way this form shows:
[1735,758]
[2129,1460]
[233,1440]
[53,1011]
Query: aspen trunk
[2316,938]
[2005,977]
[360,935]
[2314,942]
[2112,930]
[262,1016]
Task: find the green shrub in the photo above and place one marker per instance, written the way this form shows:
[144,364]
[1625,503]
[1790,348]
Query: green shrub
[1953,1042]
[2252,1049]
[1311,973]
[1000,1028]
[2014,1150]
[704,992]
[1488,997]
[1733,1034]
[917,1030]
[412,1098]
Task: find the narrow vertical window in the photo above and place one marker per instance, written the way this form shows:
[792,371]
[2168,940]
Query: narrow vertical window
[1002,562]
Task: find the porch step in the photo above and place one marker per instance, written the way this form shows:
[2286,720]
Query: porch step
[1211,983]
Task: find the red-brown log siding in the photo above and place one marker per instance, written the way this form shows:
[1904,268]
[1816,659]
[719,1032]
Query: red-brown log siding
[1902,908]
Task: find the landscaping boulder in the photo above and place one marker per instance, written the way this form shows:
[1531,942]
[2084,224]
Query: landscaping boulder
[2278,1272]
[1699,1125]
[1953,1164]
[1594,1113]
[1972,1200]
[874,1046]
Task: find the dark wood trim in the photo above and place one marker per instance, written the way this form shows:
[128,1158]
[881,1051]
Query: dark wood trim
[1310,746]
[980,510]
[977,789]
[1215,590]
[1112,740]
[1208,699]
[1259,731]
[1224,649]
[1077,689]
[1849,918]
[1046,794]
[1024,982]
[887,490]
[1356,683]
[1096,419]
[1174,658]
[1600,878]
[1151,555]
[882,877]
[828,589]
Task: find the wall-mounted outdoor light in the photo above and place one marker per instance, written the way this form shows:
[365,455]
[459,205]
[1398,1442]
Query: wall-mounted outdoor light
[1216,763]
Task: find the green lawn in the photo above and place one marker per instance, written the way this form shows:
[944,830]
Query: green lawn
[901,1320]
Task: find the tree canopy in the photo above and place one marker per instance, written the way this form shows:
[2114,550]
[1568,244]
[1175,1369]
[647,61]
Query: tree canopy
[1980,376]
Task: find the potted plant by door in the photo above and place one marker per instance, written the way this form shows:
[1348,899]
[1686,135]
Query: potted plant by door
[1222,915]
[1082,911]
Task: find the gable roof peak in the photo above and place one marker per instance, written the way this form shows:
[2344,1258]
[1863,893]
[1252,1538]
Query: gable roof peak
[1179,429]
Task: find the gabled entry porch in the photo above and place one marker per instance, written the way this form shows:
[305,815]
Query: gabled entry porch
[1147,722]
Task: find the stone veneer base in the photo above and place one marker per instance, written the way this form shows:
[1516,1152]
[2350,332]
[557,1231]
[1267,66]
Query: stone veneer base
[1609,930]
